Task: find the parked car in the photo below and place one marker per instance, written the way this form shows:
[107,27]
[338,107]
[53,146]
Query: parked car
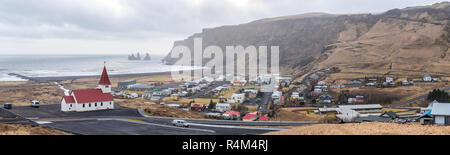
[35,104]
[180,123]
[7,106]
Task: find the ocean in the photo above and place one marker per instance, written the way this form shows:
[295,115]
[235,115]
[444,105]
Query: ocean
[74,65]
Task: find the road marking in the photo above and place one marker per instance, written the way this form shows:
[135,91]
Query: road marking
[43,122]
[161,125]
[32,118]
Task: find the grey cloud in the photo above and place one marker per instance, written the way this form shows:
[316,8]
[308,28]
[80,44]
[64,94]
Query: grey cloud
[125,20]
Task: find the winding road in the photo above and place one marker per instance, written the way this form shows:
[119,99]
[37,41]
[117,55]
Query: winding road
[414,99]
[127,121]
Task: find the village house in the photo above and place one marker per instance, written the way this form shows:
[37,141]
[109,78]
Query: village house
[251,92]
[125,84]
[295,95]
[427,78]
[429,108]
[389,79]
[426,118]
[239,82]
[338,85]
[147,95]
[263,118]
[133,95]
[405,83]
[251,116]
[223,107]
[321,83]
[237,98]
[388,116]
[326,99]
[231,115]
[277,95]
[197,107]
[155,98]
[441,113]
[99,98]
[365,108]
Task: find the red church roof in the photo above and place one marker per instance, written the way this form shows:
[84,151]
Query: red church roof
[104,79]
[69,99]
[92,95]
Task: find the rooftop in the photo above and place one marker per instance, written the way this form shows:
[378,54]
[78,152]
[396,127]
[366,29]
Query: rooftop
[92,95]
[441,109]
[365,106]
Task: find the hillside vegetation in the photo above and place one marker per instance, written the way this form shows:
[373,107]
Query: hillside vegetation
[412,39]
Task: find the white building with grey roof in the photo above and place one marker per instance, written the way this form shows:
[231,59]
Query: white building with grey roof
[441,113]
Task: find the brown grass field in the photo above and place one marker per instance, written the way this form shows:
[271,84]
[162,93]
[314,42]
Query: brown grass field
[159,110]
[365,129]
[20,94]
[28,130]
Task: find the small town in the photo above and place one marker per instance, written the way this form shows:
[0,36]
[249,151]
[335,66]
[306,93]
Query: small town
[249,68]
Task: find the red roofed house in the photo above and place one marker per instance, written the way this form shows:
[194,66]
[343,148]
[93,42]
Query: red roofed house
[263,118]
[99,98]
[232,114]
[197,106]
[251,116]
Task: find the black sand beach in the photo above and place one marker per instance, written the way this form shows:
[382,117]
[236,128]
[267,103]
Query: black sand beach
[63,78]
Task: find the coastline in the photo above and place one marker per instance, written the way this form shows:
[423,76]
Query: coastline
[63,78]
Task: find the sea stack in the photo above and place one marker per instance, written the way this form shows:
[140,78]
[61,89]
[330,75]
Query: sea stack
[147,57]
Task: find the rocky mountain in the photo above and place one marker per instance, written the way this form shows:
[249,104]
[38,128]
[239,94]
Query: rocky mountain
[414,38]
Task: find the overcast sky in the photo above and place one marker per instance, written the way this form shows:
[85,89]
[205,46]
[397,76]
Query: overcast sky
[124,26]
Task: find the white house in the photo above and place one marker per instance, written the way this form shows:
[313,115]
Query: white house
[223,107]
[90,99]
[237,98]
[429,108]
[427,78]
[277,95]
[321,83]
[441,113]
[295,95]
[389,79]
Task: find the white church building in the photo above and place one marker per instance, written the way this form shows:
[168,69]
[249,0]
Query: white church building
[90,99]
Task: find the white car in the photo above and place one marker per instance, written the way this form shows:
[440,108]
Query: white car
[34,104]
[180,123]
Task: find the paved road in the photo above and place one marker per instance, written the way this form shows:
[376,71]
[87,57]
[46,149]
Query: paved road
[264,104]
[117,122]
[308,87]
[122,127]
[54,111]
[230,122]
[414,99]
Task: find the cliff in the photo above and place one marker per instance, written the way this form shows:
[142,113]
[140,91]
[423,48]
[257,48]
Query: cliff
[317,40]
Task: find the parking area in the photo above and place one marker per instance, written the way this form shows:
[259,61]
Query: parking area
[117,127]
[54,111]
[125,121]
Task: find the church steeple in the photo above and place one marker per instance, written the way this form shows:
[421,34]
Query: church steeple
[104,79]
[105,83]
